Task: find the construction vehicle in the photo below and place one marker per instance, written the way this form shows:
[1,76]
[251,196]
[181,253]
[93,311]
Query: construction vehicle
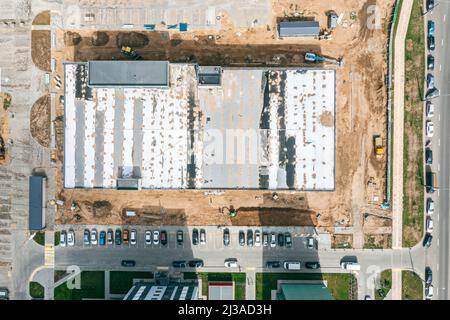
[313,57]
[130,53]
[379,149]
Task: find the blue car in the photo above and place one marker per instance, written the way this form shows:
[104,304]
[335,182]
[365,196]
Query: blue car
[102,238]
[431,28]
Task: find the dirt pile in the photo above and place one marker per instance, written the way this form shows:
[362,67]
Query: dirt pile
[40,49]
[132,39]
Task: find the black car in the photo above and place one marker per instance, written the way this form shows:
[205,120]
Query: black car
[195,237]
[250,238]
[429,156]
[431,44]
[280,239]
[430,4]
[179,264]
[430,62]
[163,237]
[273,264]
[180,236]
[128,263]
[195,263]
[428,275]
[427,240]
[118,237]
[226,237]
[312,265]
[241,238]
[288,240]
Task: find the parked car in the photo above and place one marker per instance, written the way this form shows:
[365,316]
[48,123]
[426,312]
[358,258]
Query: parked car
[231,263]
[430,4]
[195,237]
[292,265]
[257,238]
[110,237]
[288,239]
[429,110]
[156,237]
[63,238]
[70,238]
[128,263]
[197,263]
[430,62]
[430,129]
[202,236]
[86,237]
[94,237]
[429,224]
[310,243]
[431,45]
[226,237]
[430,206]
[102,238]
[312,265]
[126,236]
[250,237]
[429,156]
[432,93]
[163,237]
[431,28]
[180,237]
[148,237]
[241,238]
[265,239]
[281,240]
[273,240]
[428,275]
[430,81]
[4,294]
[273,264]
[428,292]
[179,264]
[427,240]
[133,237]
[118,237]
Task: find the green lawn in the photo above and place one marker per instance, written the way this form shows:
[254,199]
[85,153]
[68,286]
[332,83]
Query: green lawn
[385,284]
[237,278]
[39,238]
[412,286]
[121,281]
[57,236]
[92,287]
[338,283]
[36,290]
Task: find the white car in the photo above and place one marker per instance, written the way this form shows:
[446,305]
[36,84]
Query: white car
[310,243]
[62,238]
[156,237]
[202,236]
[430,206]
[430,129]
[273,240]
[430,110]
[133,239]
[70,238]
[257,238]
[429,292]
[94,240]
[231,263]
[429,225]
[148,237]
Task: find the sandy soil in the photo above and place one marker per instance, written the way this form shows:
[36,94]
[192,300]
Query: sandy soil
[41,49]
[4,129]
[40,121]
[360,114]
[42,18]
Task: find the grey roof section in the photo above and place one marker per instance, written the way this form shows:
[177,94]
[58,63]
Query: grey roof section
[209,75]
[128,184]
[129,73]
[299,29]
[36,203]
[217,291]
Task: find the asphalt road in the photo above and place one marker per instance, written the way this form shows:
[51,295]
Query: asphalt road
[437,257]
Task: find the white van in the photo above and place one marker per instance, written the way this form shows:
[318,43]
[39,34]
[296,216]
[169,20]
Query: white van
[292,265]
[354,266]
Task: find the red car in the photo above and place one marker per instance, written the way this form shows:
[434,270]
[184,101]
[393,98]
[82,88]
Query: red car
[126,234]
[163,237]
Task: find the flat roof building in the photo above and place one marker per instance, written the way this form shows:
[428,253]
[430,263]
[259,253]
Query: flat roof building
[36,218]
[220,290]
[298,29]
[304,291]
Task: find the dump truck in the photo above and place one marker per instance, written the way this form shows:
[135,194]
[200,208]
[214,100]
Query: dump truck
[130,53]
[379,148]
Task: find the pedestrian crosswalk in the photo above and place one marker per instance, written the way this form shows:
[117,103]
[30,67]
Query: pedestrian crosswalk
[49,255]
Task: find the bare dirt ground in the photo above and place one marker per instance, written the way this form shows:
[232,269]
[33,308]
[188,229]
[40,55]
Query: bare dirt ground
[360,114]
[4,130]
[41,49]
[40,121]
[43,18]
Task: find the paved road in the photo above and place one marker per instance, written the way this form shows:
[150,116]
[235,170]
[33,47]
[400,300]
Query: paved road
[437,256]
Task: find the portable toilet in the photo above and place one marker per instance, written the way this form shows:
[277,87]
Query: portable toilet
[183,27]
[332,20]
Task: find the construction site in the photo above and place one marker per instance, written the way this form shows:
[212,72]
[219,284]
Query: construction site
[337,183]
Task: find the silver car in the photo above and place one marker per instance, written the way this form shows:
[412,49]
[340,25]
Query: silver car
[156,237]
[71,238]
[273,240]
[133,239]
[94,239]
[257,238]
[62,238]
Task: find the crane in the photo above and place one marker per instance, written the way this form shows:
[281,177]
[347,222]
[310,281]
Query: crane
[313,57]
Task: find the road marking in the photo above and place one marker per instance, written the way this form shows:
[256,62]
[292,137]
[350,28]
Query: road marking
[439,167]
[439,118]
[442,42]
[440,67]
[437,267]
[445,17]
[438,242]
[439,142]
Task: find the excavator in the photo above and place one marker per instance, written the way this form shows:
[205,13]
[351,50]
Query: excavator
[313,57]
